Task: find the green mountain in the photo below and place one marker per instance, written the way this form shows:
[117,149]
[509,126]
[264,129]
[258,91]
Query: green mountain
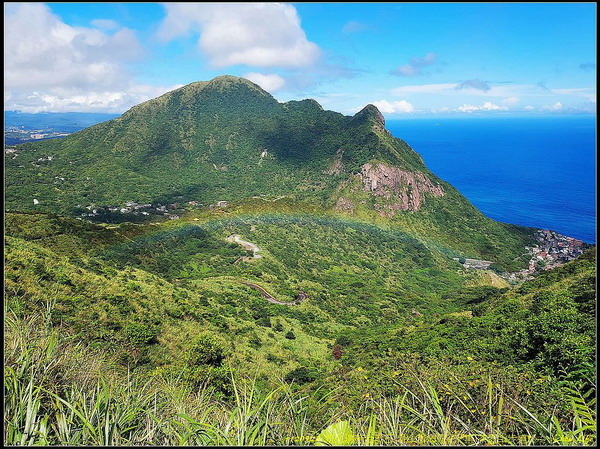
[229,140]
[313,283]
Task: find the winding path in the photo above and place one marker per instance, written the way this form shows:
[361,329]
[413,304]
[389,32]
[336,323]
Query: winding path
[265,294]
[248,246]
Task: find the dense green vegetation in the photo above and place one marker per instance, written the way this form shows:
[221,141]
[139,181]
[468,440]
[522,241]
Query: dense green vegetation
[228,140]
[403,346]
[342,319]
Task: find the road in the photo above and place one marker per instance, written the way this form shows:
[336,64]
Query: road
[249,246]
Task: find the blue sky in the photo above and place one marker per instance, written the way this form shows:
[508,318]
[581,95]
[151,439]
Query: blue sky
[409,59]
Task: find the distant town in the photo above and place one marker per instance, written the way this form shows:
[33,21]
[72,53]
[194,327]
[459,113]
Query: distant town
[171,211]
[21,127]
[19,134]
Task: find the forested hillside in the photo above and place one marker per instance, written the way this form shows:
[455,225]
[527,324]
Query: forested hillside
[214,267]
[149,330]
[229,140]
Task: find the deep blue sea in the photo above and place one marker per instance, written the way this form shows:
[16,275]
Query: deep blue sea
[532,171]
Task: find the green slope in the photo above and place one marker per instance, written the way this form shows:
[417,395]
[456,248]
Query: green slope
[154,319]
[546,324]
[358,280]
[228,140]
[353,273]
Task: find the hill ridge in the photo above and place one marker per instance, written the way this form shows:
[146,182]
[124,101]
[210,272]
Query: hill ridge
[227,139]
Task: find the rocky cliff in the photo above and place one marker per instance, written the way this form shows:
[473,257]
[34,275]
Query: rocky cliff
[407,190]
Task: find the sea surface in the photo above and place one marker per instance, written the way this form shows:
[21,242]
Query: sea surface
[530,171]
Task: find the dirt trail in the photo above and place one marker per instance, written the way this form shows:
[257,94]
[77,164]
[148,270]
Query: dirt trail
[301,296]
[265,294]
[248,246]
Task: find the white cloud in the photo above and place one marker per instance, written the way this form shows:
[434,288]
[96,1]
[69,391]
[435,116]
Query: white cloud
[270,83]
[571,91]
[468,108]
[511,101]
[253,34]
[353,27]
[68,100]
[476,84]
[588,93]
[554,107]
[424,89]
[505,91]
[529,108]
[51,66]
[487,106]
[393,107]
[42,51]
[105,24]
[588,66]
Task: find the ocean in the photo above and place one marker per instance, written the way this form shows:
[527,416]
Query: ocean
[530,171]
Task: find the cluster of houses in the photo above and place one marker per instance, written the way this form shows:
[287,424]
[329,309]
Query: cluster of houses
[134,208]
[170,211]
[553,249]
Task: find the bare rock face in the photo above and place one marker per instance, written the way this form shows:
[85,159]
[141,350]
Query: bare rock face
[344,205]
[406,189]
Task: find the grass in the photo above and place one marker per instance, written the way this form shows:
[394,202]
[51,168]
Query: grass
[57,392]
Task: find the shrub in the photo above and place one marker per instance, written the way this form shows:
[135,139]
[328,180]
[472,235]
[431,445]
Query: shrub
[290,335]
[300,376]
[255,341]
[205,350]
[140,334]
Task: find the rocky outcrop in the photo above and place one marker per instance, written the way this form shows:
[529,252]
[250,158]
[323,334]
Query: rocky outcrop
[344,205]
[405,190]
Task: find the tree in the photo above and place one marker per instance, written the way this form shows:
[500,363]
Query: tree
[290,335]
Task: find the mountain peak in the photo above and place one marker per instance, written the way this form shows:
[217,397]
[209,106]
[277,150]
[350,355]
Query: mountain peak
[369,113]
[226,82]
[229,93]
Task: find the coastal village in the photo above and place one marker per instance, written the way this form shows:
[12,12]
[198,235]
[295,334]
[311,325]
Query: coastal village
[552,249]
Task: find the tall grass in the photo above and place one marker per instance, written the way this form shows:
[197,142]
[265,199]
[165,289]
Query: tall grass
[59,393]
